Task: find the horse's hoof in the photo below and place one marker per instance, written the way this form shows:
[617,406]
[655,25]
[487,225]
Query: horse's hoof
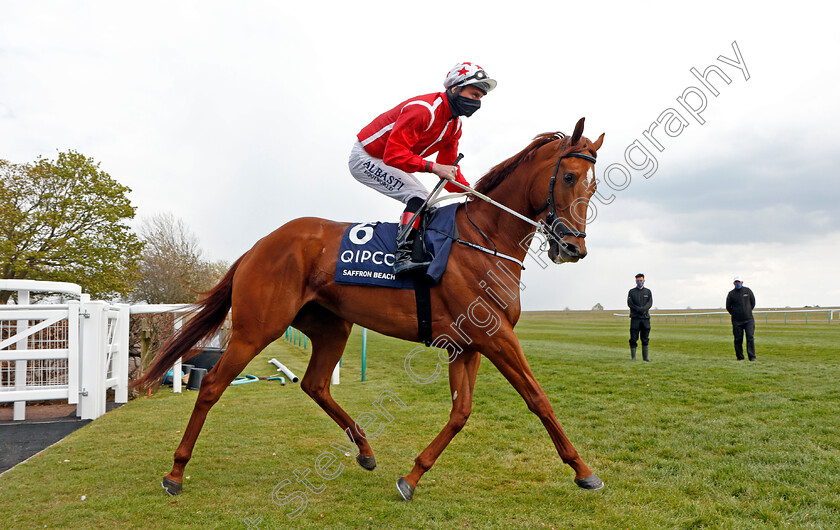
[367,462]
[405,489]
[592,482]
[171,487]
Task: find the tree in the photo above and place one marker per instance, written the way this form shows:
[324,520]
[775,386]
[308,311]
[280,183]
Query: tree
[63,220]
[172,269]
[598,307]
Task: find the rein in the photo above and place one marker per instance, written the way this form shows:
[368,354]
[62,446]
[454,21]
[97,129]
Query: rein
[470,191]
[551,218]
[493,252]
[547,228]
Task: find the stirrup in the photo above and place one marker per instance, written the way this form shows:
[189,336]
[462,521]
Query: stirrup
[404,261]
[404,268]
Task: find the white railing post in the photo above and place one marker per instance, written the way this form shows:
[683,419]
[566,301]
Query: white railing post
[176,369]
[92,381]
[121,359]
[74,352]
[84,332]
[19,413]
[101,358]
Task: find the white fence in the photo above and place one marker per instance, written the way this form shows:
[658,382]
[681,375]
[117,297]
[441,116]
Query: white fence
[824,315]
[74,351]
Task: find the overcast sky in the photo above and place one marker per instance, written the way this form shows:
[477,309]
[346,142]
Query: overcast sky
[238,117]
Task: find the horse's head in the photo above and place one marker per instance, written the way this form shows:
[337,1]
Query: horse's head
[564,185]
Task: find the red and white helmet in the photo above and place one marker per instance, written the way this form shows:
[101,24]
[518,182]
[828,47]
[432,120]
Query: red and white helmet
[463,74]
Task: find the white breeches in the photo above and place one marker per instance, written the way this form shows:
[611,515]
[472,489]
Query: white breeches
[376,174]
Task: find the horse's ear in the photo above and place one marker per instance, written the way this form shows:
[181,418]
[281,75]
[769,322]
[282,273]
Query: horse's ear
[597,144]
[578,132]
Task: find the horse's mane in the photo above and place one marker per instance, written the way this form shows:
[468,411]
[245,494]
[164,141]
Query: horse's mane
[499,172]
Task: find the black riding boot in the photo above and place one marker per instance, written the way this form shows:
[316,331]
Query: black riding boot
[645,352]
[632,353]
[410,254]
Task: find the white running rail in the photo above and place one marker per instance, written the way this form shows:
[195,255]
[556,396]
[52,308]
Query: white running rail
[55,351]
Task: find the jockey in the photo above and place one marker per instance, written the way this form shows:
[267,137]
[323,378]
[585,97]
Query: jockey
[393,147]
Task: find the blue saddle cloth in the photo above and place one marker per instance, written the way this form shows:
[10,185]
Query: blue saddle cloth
[366,254]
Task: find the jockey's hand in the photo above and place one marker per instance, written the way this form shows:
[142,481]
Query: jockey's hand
[445,172]
[452,188]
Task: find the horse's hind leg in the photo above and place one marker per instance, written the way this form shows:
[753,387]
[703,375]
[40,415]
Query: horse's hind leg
[462,374]
[237,355]
[329,335]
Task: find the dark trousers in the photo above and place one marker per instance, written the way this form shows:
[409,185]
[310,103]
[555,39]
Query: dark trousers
[639,326]
[739,329]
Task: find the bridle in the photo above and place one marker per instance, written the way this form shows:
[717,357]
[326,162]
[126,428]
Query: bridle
[546,227]
[560,230]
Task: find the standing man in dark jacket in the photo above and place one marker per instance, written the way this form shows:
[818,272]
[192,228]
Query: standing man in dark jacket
[740,303]
[639,300]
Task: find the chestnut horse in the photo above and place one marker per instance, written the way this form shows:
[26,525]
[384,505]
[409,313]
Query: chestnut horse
[286,279]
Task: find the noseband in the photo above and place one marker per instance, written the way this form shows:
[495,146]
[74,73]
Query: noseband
[561,230]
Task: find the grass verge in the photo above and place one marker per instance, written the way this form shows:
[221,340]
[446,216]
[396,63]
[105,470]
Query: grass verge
[692,440]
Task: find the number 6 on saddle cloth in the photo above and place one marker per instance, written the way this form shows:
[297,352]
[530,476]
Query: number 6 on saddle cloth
[366,257]
[366,253]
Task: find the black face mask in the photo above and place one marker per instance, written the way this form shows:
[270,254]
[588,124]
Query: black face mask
[462,105]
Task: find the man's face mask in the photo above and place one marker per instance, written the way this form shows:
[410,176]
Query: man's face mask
[462,105]
[738,285]
[640,284]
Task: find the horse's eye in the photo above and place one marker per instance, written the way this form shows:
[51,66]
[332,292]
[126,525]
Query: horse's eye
[569,177]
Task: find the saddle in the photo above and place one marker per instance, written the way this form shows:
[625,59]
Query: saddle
[366,257]
[366,253]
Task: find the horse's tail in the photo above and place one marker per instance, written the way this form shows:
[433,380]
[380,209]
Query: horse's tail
[211,313]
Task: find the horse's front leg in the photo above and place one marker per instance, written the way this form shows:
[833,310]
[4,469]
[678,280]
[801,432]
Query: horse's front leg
[506,354]
[462,373]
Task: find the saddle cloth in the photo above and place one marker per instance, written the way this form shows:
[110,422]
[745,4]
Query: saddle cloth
[366,254]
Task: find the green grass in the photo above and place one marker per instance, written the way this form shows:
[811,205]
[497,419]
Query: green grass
[692,440]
